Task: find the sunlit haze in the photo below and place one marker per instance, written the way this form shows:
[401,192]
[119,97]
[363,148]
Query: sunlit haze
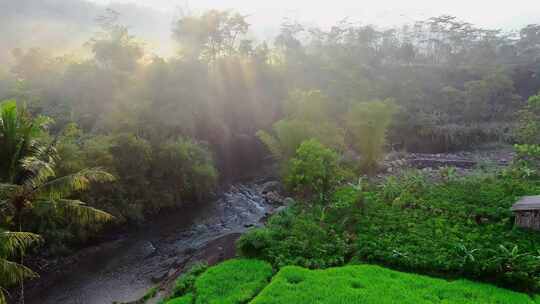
[496,14]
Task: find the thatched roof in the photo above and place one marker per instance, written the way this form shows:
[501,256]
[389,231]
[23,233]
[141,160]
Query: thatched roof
[527,203]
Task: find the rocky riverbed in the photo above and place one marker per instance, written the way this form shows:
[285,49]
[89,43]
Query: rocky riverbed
[463,162]
[123,270]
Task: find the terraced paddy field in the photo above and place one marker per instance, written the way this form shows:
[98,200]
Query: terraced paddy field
[251,281]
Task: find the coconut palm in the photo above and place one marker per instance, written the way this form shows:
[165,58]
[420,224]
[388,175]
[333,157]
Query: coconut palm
[13,244]
[40,187]
[19,134]
[28,178]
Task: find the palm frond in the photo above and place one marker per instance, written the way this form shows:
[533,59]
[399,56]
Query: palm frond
[12,273]
[2,296]
[80,213]
[40,171]
[62,187]
[7,190]
[17,242]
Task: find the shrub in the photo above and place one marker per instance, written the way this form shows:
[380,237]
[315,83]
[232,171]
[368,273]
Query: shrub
[307,115]
[314,170]
[398,188]
[528,128]
[527,161]
[297,238]
[255,243]
[186,168]
[368,123]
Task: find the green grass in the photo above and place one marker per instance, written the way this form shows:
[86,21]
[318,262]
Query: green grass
[373,284]
[149,294]
[186,299]
[232,282]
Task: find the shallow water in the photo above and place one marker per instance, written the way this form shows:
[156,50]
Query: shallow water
[125,270]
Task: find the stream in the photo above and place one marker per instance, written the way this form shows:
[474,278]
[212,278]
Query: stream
[124,270]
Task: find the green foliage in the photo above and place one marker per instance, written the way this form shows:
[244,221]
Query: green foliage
[307,116]
[368,123]
[528,150]
[460,226]
[45,203]
[400,189]
[211,35]
[186,299]
[151,176]
[152,292]
[186,282]
[527,162]
[32,190]
[132,158]
[271,143]
[314,170]
[289,134]
[373,284]
[187,168]
[232,282]
[19,136]
[12,245]
[455,228]
[528,128]
[256,243]
[296,238]
[113,46]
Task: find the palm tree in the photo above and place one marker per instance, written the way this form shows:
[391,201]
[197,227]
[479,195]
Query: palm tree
[41,188]
[19,134]
[28,178]
[11,273]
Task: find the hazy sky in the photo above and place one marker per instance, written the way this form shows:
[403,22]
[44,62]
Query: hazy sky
[269,13]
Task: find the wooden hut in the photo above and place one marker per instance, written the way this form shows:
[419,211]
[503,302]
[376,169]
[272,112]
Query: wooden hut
[527,211]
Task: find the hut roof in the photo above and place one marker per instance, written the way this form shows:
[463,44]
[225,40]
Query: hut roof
[527,203]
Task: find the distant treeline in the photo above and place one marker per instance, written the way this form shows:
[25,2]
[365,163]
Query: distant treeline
[456,85]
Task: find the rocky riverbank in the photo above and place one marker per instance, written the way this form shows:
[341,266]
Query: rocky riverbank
[122,270]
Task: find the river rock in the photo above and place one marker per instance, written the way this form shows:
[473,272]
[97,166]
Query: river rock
[288,201]
[274,198]
[280,209]
[271,186]
[159,276]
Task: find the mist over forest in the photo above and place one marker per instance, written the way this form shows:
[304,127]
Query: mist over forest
[62,26]
[191,136]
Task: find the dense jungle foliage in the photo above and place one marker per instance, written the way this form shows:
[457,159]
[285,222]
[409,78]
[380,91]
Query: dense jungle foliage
[109,138]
